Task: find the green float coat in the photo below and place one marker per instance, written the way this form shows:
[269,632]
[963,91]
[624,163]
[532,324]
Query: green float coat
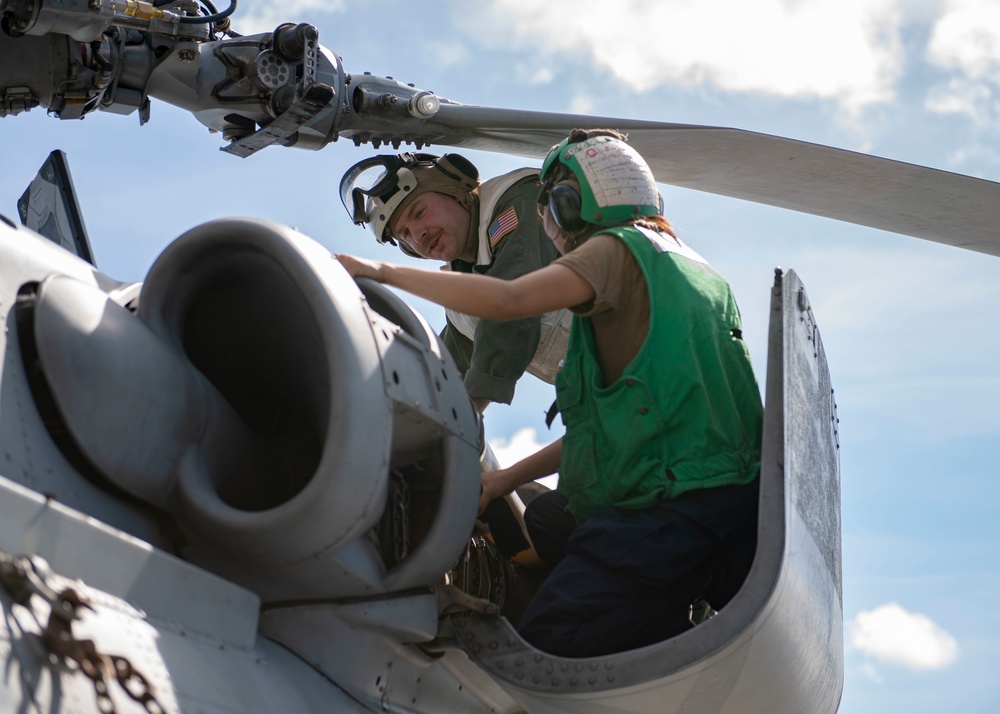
[686,414]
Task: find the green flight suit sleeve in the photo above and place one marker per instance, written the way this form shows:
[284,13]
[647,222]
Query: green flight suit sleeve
[458,345]
[502,350]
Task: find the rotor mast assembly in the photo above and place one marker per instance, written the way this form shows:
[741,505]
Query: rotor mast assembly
[74,57]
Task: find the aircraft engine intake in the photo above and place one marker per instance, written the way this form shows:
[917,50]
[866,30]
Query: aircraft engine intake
[311,439]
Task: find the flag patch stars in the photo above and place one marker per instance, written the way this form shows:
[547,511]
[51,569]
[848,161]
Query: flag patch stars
[504,224]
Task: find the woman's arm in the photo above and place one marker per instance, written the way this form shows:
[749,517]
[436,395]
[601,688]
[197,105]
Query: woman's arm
[499,483]
[551,288]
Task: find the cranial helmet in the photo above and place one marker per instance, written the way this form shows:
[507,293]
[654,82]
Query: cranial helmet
[397,181]
[616,184]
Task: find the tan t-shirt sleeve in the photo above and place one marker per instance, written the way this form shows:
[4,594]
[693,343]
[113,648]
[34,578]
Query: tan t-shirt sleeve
[601,261]
[619,312]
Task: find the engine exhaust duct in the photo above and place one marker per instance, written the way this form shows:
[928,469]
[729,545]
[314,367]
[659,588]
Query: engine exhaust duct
[262,399]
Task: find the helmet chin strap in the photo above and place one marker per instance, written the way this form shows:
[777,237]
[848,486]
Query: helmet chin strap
[470,202]
[574,240]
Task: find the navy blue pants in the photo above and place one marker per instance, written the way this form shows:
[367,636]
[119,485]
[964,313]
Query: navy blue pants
[549,524]
[629,576]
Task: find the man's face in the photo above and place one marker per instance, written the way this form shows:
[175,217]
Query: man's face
[435,226]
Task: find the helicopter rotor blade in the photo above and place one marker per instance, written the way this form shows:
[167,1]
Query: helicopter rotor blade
[914,200]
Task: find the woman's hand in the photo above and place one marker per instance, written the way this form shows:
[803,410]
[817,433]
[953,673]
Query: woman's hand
[361,268]
[494,485]
[499,483]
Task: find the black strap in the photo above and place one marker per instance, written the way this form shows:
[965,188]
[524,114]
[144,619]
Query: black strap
[550,415]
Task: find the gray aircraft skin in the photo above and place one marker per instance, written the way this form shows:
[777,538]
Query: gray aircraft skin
[250,483]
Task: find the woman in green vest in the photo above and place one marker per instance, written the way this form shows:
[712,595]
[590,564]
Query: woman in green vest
[659,462]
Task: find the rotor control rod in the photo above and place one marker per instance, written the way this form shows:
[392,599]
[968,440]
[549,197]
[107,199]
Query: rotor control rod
[283,87]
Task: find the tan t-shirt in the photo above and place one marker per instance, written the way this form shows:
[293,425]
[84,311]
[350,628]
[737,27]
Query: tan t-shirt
[620,310]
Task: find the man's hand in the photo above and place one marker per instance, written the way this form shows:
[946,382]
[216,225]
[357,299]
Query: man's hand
[361,268]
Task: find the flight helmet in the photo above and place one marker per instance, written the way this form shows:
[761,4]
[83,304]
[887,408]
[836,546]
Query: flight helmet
[616,184]
[397,181]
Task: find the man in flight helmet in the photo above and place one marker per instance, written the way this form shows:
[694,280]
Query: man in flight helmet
[660,458]
[435,207]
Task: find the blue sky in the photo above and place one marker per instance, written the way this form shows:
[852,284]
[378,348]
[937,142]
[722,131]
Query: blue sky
[909,327]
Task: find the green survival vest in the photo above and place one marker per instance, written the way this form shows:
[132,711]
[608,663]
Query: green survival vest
[686,414]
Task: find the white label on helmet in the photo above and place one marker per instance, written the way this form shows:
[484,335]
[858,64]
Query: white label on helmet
[616,173]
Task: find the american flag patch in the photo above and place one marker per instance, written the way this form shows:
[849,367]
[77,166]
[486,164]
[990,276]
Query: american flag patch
[504,224]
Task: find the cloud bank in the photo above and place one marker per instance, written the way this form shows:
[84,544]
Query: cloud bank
[847,52]
[891,634]
[965,42]
[524,443]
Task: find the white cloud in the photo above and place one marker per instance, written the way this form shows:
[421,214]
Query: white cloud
[967,37]
[524,443]
[960,95]
[847,51]
[891,634]
[264,15]
[539,75]
[965,40]
[509,451]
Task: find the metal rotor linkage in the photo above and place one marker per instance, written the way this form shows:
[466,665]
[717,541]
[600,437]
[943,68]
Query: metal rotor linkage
[294,118]
[307,98]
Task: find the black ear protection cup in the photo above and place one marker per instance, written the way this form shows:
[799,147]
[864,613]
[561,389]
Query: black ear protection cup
[458,168]
[407,249]
[564,205]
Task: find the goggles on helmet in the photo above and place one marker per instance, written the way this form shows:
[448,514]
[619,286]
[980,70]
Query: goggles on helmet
[391,182]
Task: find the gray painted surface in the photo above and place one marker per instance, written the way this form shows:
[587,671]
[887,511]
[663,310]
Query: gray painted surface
[192,635]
